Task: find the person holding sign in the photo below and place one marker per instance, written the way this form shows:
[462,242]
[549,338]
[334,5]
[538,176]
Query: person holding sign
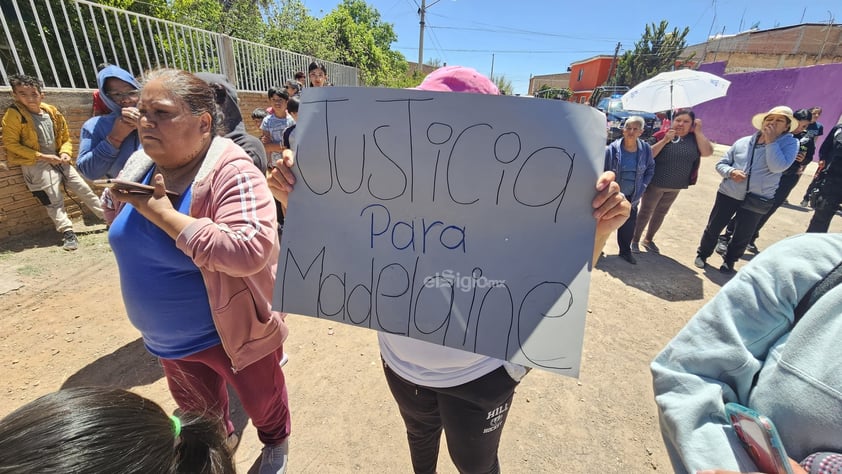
[439,388]
[199,291]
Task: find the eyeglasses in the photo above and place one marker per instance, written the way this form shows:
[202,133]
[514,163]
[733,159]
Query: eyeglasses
[120,96]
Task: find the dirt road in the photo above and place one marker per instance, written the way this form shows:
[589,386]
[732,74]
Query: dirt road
[62,323]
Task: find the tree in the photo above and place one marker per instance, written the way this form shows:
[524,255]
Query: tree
[292,28]
[503,84]
[362,40]
[657,51]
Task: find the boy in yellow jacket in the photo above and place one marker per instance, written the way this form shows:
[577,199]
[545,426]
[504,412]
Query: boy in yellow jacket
[37,138]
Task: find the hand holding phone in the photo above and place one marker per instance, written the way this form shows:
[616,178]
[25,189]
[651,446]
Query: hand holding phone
[760,439]
[129,187]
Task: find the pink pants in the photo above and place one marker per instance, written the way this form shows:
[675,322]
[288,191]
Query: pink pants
[198,385]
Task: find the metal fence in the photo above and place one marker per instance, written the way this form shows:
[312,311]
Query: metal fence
[63,41]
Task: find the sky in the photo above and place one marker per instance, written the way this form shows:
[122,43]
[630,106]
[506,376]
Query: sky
[522,38]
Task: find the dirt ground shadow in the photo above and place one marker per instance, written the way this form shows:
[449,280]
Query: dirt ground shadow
[131,366]
[672,281]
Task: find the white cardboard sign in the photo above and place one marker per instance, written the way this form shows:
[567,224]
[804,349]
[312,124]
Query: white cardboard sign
[459,219]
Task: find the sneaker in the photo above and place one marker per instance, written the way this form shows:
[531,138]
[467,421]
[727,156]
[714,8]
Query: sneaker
[805,203]
[629,258]
[699,262]
[651,247]
[70,240]
[727,268]
[273,459]
[635,247]
[722,247]
[752,248]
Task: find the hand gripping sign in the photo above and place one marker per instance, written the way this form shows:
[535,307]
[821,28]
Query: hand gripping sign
[459,219]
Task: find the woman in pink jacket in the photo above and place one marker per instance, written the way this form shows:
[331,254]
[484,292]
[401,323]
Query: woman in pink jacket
[197,270]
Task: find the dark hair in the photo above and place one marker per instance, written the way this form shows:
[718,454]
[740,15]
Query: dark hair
[299,76]
[293,84]
[101,66]
[22,80]
[197,95]
[104,430]
[292,104]
[316,65]
[684,112]
[258,113]
[803,114]
[278,91]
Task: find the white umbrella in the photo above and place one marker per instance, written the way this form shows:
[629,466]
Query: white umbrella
[674,90]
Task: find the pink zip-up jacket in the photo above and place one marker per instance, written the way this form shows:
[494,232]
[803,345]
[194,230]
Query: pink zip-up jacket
[234,243]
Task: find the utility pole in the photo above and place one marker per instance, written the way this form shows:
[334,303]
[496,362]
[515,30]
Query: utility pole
[611,71]
[492,67]
[421,12]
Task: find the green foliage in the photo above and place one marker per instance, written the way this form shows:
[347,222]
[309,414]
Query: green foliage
[292,28]
[657,51]
[353,33]
[504,84]
[362,40]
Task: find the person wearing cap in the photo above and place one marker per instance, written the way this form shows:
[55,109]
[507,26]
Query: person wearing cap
[829,182]
[789,179]
[293,88]
[752,166]
[440,388]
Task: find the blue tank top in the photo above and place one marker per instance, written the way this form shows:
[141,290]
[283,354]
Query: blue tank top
[163,290]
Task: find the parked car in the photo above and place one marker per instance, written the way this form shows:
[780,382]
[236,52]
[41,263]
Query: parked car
[616,116]
[603,92]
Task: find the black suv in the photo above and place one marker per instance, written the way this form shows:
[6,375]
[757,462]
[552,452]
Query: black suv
[616,117]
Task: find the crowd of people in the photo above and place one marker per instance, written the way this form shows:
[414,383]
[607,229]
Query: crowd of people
[210,226]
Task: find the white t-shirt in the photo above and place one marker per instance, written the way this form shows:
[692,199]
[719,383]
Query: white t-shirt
[432,365]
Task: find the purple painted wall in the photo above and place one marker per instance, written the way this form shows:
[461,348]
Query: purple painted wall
[729,118]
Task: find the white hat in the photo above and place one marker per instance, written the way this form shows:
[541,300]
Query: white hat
[758,119]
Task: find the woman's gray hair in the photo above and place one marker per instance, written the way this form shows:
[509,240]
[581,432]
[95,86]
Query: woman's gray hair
[636,119]
[196,94]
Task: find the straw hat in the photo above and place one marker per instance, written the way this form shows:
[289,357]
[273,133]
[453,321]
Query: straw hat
[758,119]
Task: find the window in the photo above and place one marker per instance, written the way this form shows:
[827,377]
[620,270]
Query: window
[581,71]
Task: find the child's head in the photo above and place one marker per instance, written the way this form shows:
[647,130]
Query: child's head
[292,87]
[292,106]
[26,90]
[278,98]
[299,77]
[99,429]
[318,74]
[258,115]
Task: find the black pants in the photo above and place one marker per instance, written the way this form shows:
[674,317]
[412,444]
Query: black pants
[626,232]
[745,222]
[827,203]
[472,416]
[788,182]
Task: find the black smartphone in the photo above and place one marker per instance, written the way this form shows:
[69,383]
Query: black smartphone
[130,187]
